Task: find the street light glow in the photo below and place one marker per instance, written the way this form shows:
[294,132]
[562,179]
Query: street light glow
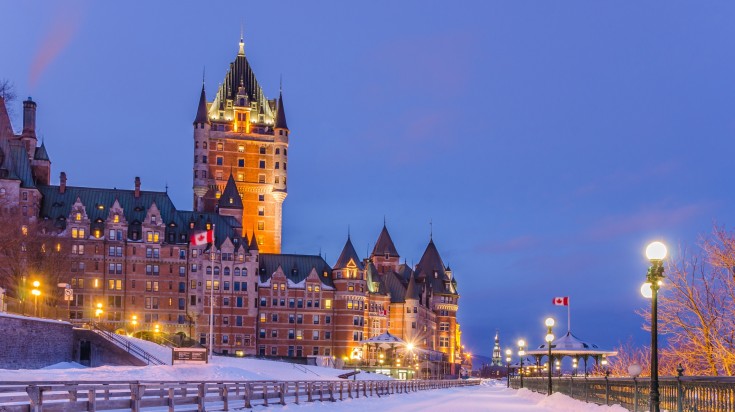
[550,322]
[549,337]
[656,251]
[646,290]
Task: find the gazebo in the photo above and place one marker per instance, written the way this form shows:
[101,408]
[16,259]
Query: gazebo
[572,346]
[383,342]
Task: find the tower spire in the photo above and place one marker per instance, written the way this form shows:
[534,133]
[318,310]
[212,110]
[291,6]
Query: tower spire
[241,52]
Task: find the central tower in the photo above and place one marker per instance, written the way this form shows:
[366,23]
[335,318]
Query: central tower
[244,134]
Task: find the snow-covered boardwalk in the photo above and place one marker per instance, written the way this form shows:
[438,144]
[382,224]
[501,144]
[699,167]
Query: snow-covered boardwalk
[489,396]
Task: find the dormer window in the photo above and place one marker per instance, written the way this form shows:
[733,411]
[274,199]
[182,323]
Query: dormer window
[153,219]
[116,218]
[78,216]
[387,255]
[209,226]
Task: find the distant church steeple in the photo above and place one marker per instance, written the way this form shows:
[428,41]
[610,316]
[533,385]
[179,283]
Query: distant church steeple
[497,357]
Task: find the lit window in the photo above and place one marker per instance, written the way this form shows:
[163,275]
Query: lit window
[241,149]
[24,230]
[240,177]
[78,216]
[261,211]
[261,178]
[261,225]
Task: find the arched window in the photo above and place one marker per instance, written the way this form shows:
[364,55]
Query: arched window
[204,145]
[237,271]
[216,271]
[209,270]
[244,271]
[227,271]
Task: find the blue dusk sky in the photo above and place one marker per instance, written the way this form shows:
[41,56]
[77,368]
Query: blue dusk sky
[548,142]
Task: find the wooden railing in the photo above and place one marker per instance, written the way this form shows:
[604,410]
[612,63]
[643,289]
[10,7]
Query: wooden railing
[685,393]
[141,395]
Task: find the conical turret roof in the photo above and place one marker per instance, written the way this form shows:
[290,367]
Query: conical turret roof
[348,253]
[202,109]
[41,153]
[431,262]
[230,198]
[281,114]
[253,243]
[412,291]
[385,244]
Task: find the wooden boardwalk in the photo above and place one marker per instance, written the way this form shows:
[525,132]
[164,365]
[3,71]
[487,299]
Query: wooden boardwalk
[199,396]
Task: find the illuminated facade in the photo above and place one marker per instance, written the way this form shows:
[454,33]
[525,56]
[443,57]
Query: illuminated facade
[244,134]
[129,249]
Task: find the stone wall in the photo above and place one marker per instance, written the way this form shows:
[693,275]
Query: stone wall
[32,343]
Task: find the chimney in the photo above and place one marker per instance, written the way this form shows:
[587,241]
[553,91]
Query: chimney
[137,187]
[29,117]
[62,185]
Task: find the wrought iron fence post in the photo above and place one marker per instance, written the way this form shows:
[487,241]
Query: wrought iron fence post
[679,389]
[607,389]
[635,394]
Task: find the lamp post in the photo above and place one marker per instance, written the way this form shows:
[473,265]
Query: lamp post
[549,339]
[98,312]
[36,293]
[521,354]
[508,354]
[134,322]
[655,252]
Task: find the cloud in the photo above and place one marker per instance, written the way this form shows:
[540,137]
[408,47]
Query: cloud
[646,220]
[59,36]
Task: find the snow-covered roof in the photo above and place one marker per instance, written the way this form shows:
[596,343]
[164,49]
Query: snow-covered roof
[572,346]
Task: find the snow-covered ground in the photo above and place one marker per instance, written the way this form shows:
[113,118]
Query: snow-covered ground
[159,351]
[221,368]
[490,396]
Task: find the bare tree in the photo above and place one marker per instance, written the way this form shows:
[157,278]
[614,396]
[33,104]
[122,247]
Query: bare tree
[7,91]
[697,309]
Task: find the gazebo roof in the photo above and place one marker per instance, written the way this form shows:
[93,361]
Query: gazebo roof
[571,345]
[385,338]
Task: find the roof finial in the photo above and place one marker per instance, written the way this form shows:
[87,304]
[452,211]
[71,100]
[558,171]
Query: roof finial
[280,85]
[167,186]
[348,232]
[431,229]
[241,52]
[204,72]
[241,32]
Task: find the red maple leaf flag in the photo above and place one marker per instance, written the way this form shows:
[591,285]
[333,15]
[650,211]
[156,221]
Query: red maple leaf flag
[561,301]
[202,237]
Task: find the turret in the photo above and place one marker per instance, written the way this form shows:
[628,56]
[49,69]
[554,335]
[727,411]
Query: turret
[201,140]
[41,165]
[230,203]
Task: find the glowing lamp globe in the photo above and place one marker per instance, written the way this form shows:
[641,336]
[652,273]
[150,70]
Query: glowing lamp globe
[634,370]
[521,343]
[409,346]
[656,251]
[550,337]
[646,290]
[550,322]
[508,352]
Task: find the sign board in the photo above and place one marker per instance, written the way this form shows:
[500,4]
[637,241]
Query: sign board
[68,294]
[189,355]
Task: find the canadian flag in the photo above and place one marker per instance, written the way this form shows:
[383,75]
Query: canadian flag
[561,301]
[201,238]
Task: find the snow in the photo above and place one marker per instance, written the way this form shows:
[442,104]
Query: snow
[221,368]
[159,351]
[489,396]
[35,319]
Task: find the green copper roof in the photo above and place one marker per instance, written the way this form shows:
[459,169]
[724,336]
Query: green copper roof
[230,198]
[41,153]
[295,267]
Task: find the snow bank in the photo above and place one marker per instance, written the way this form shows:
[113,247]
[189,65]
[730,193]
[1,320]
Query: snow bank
[221,368]
[15,316]
[65,365]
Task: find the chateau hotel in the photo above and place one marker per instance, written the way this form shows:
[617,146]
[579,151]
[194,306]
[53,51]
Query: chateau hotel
[130,249]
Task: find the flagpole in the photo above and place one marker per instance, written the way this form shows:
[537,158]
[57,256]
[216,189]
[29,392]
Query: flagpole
[211,299]
[569,315]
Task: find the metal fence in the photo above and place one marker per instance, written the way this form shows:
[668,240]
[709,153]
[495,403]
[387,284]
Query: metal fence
[683,394]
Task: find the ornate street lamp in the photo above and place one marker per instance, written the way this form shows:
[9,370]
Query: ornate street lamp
[508,354]
[521,354]
[549,339]
[655,252]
